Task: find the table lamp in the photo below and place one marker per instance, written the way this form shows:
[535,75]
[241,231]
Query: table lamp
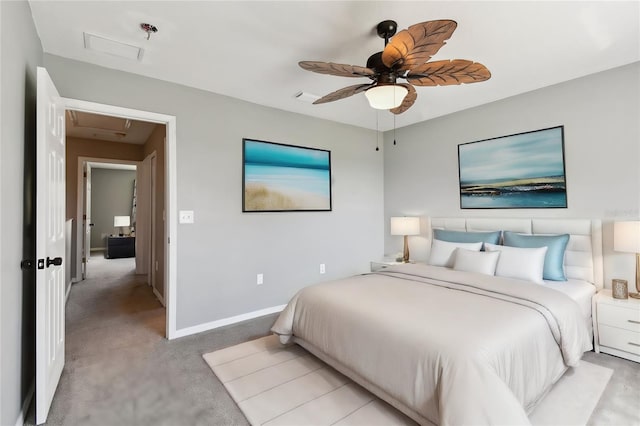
[626,238]
[405,226]
[121,221]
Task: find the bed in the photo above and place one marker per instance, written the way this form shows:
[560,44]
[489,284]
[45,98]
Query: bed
[453,347]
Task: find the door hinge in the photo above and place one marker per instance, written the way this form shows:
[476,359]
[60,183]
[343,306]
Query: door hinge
[84,260]
[26,264]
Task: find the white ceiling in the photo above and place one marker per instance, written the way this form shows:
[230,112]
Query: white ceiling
[250,50]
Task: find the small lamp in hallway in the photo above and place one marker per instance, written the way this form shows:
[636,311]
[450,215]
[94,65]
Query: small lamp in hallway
[121,222]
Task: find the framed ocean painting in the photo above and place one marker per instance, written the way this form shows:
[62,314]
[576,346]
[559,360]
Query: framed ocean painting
[521,171]
[284,178]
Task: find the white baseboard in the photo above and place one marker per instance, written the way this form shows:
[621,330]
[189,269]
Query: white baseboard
[159,296]
[66,296]
[25,405]
[226,321]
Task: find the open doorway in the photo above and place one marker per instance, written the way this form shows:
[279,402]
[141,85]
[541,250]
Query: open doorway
[127,221]
[109,217]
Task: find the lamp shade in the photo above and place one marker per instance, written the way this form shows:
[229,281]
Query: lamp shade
[387,96]
[121,221]
[405,226]
[626,236]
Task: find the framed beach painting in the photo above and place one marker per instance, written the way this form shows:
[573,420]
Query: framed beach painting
[285,178]
[521,171]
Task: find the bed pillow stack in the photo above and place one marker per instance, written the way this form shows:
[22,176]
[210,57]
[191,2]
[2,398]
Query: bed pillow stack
[528,257]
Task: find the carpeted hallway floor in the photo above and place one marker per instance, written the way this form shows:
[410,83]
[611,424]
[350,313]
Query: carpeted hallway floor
[120,370]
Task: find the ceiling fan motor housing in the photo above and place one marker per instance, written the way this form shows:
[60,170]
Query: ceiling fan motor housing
[384,75]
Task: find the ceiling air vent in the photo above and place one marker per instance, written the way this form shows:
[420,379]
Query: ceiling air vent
[112,47]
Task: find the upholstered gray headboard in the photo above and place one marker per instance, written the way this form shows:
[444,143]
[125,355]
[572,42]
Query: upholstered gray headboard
[583,256]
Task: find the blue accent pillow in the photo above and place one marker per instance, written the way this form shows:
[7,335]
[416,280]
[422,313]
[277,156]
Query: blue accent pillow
[553,260]
[467,237]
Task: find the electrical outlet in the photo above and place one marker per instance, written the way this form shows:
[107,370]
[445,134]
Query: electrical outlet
[260,279]
[322,268]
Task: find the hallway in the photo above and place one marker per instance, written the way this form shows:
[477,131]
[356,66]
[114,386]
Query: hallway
[120,370]
[113,323]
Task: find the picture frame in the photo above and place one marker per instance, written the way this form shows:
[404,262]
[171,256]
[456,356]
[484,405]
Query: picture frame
[278,177]
[619,289]
[519,171]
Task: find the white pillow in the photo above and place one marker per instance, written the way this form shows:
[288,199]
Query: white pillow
[443,252]
[481,262]
[521,263]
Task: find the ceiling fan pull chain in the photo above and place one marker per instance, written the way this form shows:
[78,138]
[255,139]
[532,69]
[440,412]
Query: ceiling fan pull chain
[394,129]
[377,132]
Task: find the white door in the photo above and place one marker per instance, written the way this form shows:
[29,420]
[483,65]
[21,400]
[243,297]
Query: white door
[50,244]
[153,267]
[86,219]
[143,224]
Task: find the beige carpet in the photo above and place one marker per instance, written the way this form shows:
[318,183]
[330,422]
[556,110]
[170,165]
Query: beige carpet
[273,385]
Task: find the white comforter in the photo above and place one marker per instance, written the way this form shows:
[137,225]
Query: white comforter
[450,347]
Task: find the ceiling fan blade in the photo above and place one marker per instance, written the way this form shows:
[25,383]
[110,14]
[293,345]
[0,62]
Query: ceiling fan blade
[340,70]
[408,100]
[448,72]
[345,92]
[417,44]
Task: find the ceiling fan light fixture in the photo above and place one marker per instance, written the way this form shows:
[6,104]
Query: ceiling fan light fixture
[387,96]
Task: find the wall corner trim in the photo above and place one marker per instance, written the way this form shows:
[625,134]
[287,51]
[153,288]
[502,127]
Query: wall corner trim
[226,321]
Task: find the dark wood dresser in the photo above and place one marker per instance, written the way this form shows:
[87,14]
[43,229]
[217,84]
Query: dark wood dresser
[118,247]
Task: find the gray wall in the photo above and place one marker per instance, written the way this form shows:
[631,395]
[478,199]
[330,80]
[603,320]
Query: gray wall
[600,114]
[111,195]
[21,52]
[221,253]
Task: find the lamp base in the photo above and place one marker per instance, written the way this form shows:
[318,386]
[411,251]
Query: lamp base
[405,253]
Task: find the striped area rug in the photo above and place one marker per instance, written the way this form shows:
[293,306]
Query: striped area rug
[274,385]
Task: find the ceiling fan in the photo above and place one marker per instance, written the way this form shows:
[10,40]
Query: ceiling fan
[405,56]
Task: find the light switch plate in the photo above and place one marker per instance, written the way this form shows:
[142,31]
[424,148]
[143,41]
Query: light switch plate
[186,216]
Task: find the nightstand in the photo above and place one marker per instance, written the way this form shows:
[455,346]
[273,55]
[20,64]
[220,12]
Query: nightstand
[384,263]
[616,326]
[118,247]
